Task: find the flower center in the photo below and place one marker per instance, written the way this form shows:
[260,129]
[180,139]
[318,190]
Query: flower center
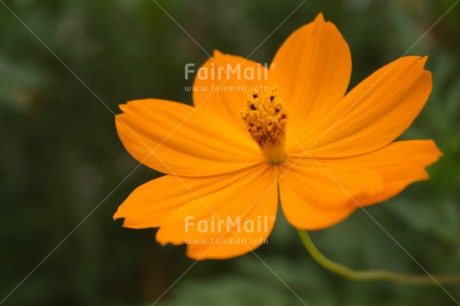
[265,118]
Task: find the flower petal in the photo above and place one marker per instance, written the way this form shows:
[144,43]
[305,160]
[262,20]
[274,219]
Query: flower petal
[374,113]
[312,70]
[179,139]
[208,224]
[315,196]
[308,217]
[400,164]
[224,83]
[151,203]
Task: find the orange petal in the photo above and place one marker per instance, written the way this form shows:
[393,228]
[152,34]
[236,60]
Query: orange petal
[312,70]
[318,196]
[375,112]
[223,85]
[179,139]
[151,203]
[306,216]
[400,164]
[209,224]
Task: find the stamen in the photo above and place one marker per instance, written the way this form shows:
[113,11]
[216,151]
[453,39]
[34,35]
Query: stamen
[265,119]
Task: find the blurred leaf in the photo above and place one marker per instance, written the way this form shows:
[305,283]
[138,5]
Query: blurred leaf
[19,85]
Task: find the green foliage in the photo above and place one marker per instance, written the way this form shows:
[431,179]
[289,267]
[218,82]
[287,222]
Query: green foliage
[61,157]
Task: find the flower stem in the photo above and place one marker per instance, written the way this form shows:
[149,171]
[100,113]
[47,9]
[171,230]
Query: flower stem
[373,274]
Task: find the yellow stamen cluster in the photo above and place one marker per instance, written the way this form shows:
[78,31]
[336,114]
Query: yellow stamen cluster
[265,118]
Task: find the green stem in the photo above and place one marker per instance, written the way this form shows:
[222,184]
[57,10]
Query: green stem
[373,274]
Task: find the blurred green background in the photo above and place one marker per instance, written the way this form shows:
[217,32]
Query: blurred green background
[63,169]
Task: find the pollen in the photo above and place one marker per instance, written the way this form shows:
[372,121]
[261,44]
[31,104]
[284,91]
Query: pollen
[265,119]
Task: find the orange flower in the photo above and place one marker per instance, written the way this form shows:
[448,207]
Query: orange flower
[288,132]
